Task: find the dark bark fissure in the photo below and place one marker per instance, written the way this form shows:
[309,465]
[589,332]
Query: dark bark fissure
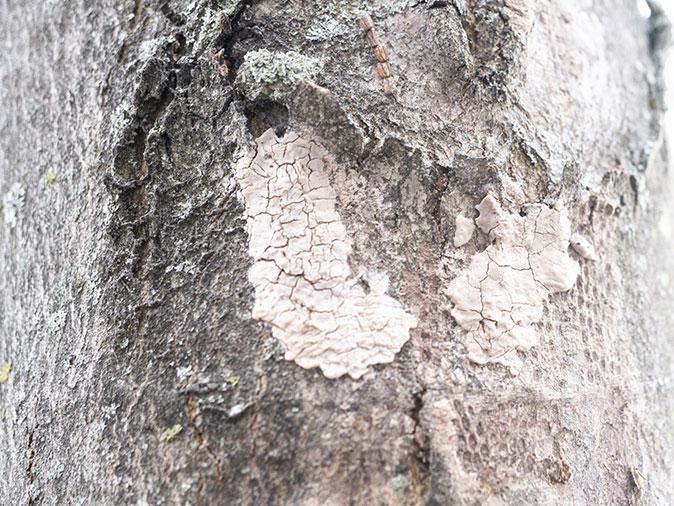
[229,50]
[265,114]
[234,31]
[434,205]
[194,423]
[421,466]
[30,473]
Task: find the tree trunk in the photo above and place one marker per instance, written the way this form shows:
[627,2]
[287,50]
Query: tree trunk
[266,252]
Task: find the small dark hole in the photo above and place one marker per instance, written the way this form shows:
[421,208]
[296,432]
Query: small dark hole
[265,114]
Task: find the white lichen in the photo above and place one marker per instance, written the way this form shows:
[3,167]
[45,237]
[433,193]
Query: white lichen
[274,73]
[183,373]
[237,409]
[324,315]
[55,322]
[228,6]
[583,247]
[187,267]
[502,292]
[328,27]
[464,230]
[12,203]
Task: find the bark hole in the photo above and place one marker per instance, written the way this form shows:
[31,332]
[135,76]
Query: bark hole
[265,114]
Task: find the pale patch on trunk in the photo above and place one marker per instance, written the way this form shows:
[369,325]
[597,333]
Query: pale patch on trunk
[583,247]
[304,287]
[464,230]
[502,292]
[521,17]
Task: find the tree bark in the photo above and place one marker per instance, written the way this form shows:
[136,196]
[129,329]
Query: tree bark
[165,338]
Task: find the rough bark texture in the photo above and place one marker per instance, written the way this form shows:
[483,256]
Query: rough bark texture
[138,373]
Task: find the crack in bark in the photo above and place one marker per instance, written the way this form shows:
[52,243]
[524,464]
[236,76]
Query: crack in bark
[434,200]
[194,421]
[30,474]
[253,428]
[420,453]
[224,43]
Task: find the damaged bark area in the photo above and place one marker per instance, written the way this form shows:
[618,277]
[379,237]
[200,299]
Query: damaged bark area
[240,255]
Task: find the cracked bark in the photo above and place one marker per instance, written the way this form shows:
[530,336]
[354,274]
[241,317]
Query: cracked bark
[138,110]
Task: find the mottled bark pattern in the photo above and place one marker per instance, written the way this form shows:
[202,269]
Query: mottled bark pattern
[138,373]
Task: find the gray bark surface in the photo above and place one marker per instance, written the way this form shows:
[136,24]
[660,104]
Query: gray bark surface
[125,302]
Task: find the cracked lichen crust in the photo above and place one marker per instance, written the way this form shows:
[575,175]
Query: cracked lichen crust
[501,293]
[324,315]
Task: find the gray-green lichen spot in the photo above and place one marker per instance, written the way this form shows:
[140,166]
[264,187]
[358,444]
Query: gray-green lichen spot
[273,73]
[50,177]
[399,483]
[3,414]
[5,369]
[170,433]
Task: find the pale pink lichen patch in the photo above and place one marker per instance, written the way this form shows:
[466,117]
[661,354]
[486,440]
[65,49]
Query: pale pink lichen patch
[464,230]
[502,292]
[324,315]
